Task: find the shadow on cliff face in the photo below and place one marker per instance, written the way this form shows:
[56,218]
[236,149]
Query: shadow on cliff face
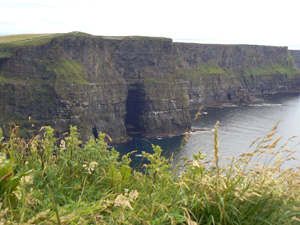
[134,108]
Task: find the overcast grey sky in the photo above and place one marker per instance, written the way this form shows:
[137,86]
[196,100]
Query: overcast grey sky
[264,22]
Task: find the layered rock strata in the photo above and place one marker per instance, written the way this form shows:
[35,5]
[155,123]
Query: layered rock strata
[234,73]
[99,84]
[119,85]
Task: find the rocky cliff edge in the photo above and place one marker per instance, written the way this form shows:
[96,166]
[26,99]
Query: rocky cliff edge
[119,85]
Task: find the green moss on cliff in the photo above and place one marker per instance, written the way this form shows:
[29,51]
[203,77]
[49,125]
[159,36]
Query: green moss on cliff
[3,80]
[203,70]
[290,57]
[67,71]
[5,54]
[272,69]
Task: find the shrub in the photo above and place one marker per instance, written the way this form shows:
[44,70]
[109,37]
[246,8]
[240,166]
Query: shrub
[75,184]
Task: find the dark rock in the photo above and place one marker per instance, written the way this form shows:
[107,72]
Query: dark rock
[118,85]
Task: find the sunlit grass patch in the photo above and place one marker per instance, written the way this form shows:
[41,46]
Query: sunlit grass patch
[20,37]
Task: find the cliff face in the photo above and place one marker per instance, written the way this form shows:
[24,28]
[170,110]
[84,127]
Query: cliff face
[110,85]
[233,73]
[121,84]
[296,55]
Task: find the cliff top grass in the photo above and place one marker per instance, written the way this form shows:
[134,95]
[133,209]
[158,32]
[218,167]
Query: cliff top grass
[25,39]
[32,39]
[21,37]
[39,39]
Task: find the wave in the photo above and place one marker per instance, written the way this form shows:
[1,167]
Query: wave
[262,105]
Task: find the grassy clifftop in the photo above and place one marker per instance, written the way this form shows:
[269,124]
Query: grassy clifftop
[32,39]
[39,39]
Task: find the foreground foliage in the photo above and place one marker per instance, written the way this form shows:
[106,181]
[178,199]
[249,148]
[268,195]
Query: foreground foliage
[41,183]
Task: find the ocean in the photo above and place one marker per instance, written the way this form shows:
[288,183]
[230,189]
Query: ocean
[239,126]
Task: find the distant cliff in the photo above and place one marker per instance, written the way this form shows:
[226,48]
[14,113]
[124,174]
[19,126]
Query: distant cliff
[296,55]
[118,85]
[234,73]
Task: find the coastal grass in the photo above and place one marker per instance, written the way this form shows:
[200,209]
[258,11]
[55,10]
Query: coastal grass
[60,181]
[21,37]
[25,39]
[11,41]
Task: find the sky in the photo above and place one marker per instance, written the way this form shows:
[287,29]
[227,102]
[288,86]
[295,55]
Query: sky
[259,22]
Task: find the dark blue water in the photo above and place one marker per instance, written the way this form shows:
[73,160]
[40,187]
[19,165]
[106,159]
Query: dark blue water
[239,126]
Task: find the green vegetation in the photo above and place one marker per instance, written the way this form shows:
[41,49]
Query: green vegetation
[40,39]
[42,183]
[290,57]
[26,39]
[3,80]
[21,37]
[67,71]
[32,39]
[272,69]
[5,54]
[203,70]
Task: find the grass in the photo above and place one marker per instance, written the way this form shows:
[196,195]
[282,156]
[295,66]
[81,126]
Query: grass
[25,39]
[11,41]
[67,71]
[272,69]
[203,70]
[5,54]
[55,181]
[21,37]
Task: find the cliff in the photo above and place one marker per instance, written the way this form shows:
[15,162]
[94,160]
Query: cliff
[296,57]
[119,85]
[112,85]
[234,73]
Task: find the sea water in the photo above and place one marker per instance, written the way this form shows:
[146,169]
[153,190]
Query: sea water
[239,126]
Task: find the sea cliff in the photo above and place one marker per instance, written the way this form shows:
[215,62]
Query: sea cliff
[119,85]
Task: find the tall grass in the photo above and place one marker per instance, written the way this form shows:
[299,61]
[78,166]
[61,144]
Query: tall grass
[47,183]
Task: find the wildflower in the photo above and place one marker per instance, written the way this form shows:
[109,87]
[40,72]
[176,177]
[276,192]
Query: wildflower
[91,167]
[26,180]
[18,193]
[3,159]
[62,145]
[122,201]
[196,164]
[133,195]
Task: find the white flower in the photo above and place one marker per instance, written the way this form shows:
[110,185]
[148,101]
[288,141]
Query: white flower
[196,164]
[26,180]
[3,159]
[91,167]
[133,195]
[62,145]
[122,201]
